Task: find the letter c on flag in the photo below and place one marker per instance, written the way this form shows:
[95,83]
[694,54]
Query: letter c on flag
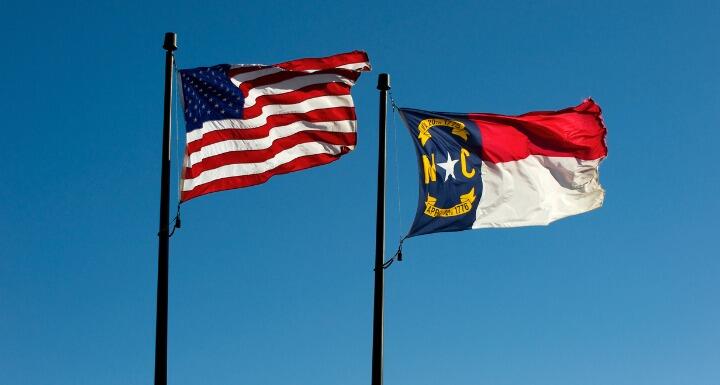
[463,162]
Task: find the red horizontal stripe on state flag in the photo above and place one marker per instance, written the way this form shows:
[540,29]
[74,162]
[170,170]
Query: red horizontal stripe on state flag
[314,116]
[576,132]
[280,144]
[277,77]
[296,96]
[328,62]
[298,164]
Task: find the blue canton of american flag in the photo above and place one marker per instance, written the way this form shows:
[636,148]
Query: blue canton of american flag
[247,123]
[209,94]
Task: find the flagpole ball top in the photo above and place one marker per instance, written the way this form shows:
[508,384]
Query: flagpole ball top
[383,82]
[170,43]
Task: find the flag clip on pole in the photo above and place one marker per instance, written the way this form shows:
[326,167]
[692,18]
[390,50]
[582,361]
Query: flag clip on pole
[377,348]
[161,322]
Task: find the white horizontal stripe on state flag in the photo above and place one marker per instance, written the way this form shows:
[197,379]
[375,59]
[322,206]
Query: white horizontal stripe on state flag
[293,84]
[537,190]
[344,126]
[307,105]
[282,157]
[247,76]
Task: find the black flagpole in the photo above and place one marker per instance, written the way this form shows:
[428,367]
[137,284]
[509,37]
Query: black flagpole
[161,322]
[377,349]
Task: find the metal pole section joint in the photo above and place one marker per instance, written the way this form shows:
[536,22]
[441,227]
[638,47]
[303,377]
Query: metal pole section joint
[377,348]
[161,323]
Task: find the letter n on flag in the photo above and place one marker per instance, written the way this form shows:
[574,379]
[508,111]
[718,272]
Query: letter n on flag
[488,170]
[247,123]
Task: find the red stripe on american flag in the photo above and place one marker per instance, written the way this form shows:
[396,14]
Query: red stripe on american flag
[334,61]
[311,64]
[315,116]
[267,80]
[257,156]
[251,180]
[245,69]
[296,96]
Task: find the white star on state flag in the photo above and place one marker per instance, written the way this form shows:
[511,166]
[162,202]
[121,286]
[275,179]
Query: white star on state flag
[449,167]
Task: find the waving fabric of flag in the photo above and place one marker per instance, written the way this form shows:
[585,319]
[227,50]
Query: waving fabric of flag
[486,170]
[247,123]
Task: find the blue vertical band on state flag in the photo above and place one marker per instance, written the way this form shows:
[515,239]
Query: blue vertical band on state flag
[209,95]
[448,148]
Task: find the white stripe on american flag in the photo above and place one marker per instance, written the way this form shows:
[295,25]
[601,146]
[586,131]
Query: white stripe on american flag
[247,76]
[233,170]
[264,71]
[278,132]
[293,84]
[355,66]
[286,113]
[269,110]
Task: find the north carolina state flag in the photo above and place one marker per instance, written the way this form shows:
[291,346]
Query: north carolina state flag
[488,170]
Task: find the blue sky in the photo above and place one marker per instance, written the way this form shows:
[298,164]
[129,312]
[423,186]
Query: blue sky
[273,284]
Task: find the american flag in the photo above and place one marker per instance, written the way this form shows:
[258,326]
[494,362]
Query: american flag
[247,123]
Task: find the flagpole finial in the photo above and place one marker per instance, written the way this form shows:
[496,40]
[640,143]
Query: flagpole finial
[383,82]
[170,43]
